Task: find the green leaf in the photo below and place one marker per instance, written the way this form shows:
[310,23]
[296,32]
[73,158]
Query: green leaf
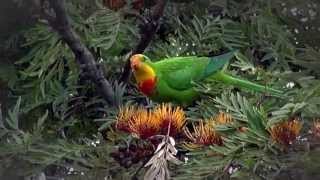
[105,27]
[42,119]
[13,119]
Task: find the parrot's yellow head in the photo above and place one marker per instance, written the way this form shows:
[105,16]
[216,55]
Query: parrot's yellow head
[141,70]
[143,73]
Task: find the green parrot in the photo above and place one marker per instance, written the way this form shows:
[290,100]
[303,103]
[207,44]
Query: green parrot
[170,79]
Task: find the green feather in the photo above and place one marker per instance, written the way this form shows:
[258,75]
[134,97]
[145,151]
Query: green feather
[179,72]
[227,79]
[218,62]
[175,77]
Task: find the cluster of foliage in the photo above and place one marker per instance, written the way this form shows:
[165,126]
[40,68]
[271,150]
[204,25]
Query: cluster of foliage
[59,126]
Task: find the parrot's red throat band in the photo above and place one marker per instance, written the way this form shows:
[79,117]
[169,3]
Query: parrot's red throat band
[147,87]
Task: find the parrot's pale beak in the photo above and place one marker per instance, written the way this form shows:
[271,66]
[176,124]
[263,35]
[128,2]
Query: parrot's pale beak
[135,62]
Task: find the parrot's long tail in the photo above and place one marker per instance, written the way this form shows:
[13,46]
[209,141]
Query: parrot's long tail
[225,78]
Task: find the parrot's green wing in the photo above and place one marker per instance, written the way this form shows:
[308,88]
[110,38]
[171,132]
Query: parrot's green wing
[217,62]
[179,72]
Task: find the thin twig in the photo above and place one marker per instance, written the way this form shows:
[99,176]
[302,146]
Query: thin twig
[60,22]
[147,32]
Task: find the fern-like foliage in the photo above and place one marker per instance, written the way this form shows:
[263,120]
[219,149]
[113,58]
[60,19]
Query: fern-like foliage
[202,36]
[61,128]
[49,60]
[34,151]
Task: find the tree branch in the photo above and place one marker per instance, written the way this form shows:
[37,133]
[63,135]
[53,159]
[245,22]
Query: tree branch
[56,14]
[147,32]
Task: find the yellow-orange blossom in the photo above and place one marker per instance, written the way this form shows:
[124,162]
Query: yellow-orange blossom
[144,123]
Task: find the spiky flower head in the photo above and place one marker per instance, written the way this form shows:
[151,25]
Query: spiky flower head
[137,121]
[126,115]
[144,124]
[222,118]
[203,135]
[286,132]
[170,117]
[225,119]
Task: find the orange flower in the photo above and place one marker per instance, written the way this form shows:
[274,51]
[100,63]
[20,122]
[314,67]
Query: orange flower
[316,128]
[203,135]
[144,125]
[286,132]
[167,116]
[125,115]
[223,118]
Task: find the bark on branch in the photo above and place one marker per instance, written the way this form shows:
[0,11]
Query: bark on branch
[147,31]
[54,11]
